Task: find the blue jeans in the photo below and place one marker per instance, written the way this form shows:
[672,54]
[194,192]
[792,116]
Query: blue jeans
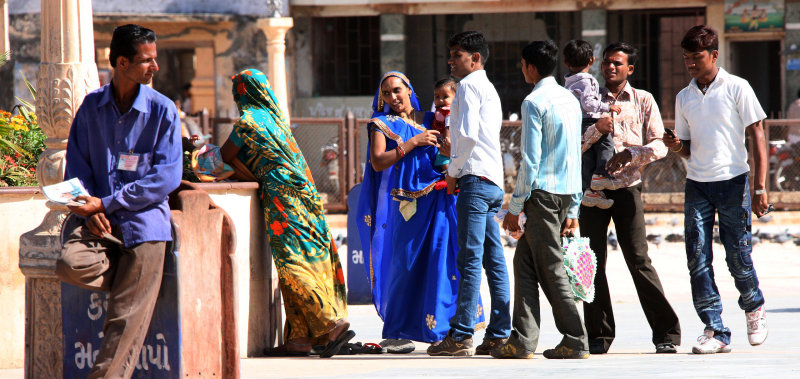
[731,200]
[479,244]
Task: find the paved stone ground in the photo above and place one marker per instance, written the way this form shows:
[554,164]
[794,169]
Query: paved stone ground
[631,355]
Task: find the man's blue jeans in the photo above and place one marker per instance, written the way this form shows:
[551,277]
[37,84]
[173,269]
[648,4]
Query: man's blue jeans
[731,200]
[479,244]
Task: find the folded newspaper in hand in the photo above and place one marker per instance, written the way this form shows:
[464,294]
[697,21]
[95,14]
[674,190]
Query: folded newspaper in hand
[66,192]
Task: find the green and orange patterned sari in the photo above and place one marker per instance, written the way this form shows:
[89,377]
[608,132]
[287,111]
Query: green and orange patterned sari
[305,255]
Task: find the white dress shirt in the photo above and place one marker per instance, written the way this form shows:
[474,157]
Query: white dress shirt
[475,121]
[716,123]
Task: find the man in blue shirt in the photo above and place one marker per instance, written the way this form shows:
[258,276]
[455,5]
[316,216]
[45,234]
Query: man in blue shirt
[125,147]
[548,189]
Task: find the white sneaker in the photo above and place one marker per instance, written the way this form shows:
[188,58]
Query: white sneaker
[707,344]
[757,326]
[601,182]
[593,198]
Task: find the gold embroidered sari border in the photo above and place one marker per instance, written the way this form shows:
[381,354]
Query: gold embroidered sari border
[413,194]
[385,130]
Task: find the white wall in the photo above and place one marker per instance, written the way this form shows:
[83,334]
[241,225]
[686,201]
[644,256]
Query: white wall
[19,213]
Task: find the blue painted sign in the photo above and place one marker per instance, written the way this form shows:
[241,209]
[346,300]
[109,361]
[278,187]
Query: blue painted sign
[358,290]
[83,314]
[793,64]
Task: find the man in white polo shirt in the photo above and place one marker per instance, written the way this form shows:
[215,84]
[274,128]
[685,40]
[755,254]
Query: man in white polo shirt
[712,115]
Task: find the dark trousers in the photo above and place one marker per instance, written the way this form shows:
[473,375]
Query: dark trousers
[539,261]
[594,160]
[628,218]
[132,276]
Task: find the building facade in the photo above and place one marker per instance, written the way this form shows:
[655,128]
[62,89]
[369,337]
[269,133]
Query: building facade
[337,49]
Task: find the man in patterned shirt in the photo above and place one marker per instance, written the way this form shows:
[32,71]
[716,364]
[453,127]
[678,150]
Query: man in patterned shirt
[637,132]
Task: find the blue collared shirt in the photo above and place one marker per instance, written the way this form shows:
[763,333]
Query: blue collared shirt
[134,200]
[551,146]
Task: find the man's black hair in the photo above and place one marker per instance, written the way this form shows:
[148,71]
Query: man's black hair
[472,42]
[629,50]
[578,53]
[543,55]
[699,38]
[125,41]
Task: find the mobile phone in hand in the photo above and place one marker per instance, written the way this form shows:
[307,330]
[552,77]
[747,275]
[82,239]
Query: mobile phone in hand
[670,132]
[770,208]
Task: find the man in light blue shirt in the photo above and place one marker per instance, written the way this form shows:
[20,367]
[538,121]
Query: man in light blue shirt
[549,191]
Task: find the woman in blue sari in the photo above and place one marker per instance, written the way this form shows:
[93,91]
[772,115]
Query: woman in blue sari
[406,219]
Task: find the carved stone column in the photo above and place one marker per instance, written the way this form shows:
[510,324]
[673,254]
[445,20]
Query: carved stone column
[4,44]
[275,28]
[66,74]
[203,91]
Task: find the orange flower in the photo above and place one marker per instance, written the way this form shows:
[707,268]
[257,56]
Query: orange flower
[276,227]
[241,89]
[277,204]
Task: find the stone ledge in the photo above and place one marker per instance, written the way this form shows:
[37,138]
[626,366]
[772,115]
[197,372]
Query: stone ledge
[20,191]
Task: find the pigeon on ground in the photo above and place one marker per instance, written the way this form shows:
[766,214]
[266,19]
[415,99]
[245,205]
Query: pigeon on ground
[340,240]
[612,240]
[783,237]
[655,239]
[674,237]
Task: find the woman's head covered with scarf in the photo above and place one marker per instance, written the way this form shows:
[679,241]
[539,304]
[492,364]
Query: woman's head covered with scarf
[251,89]
[379,107]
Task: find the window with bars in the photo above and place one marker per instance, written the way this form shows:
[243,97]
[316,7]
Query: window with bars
[507,33]
[346,55]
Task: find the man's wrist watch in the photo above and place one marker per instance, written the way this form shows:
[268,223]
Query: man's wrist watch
[760,191]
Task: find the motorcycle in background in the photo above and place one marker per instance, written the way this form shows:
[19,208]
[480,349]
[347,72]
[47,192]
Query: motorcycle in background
[511,158]
[784,165]
[330,160]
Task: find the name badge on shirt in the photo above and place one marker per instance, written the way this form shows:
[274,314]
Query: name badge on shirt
[128,161]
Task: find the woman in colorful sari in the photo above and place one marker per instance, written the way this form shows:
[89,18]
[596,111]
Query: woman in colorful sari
[406,219]
[261,148]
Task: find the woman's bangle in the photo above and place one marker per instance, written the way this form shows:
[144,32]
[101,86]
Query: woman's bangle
[679,150]
[401,151]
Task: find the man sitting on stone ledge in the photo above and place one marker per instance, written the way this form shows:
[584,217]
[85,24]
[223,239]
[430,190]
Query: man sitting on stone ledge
[125,147]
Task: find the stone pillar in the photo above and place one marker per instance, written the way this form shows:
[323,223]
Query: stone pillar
[203,91]
[791,50]
[275,29]
[5,45]
[393,42]
[66,74]
[715,18]
[594,32]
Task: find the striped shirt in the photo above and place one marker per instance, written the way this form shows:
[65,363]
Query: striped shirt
[551,146]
